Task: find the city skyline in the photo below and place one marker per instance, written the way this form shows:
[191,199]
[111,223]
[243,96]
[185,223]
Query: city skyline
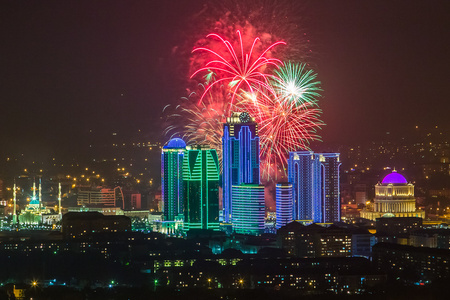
[219,149]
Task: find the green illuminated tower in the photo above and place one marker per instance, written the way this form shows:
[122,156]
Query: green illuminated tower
[172,179]
[201,188]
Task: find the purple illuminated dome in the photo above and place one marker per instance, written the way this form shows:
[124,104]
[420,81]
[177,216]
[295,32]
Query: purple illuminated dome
[394,178]
[175,143]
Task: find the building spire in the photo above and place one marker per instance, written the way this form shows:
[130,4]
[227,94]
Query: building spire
[59,199]
[40,193]
[34,188]
[15,201]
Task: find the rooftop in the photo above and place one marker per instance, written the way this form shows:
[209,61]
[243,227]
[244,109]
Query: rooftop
[394,178]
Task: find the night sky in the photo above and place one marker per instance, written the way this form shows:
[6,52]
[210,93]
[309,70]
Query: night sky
[67,67]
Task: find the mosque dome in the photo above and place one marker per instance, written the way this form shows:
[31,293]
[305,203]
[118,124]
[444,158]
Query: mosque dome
[394,178]
[175,143]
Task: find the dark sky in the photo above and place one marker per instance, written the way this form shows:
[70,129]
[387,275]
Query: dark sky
[70,66]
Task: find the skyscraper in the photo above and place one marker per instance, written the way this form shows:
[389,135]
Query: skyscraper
[249,208]
[240,148]
[303,173]
[201,188]
[172,178]
[284,202]
[315,182]
[331,193]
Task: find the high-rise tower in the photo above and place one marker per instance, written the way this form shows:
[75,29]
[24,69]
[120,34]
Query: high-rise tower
[240,150]
[15,204]
[201,188]
[172,178]
[284,202]
[329,166]
[316,189]
[303,173]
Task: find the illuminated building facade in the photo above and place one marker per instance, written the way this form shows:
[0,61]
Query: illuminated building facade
[172,178]
[240,149]
[330,187]
[248,208]
[394,197]
[284,201]
[201,188]
[100,197]
[315,183]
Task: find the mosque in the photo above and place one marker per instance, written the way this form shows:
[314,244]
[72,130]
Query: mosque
[394,197]
[35,213]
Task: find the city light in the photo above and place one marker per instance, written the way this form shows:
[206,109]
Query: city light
[160,150]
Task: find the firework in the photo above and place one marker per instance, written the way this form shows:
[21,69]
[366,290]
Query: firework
[297,85]
[286,121]
[247,75]
[202,122]
[243,71]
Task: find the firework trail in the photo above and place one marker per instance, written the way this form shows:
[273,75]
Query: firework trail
[287,121]
[202,122]
[238,70]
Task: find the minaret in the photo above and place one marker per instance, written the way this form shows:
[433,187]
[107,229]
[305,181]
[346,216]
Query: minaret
[59,199]
[40,193]
[15,201]
[34,189]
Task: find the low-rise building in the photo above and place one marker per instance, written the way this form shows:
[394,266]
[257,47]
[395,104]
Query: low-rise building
[84,224]
[315,241]
[412,264]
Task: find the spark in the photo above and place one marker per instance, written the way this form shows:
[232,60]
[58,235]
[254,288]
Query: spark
[286,122]
[245,71]
[296,84]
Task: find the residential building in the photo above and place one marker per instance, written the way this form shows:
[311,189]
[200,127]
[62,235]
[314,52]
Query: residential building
[316,189]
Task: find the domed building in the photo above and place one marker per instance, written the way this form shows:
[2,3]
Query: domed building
[394,197]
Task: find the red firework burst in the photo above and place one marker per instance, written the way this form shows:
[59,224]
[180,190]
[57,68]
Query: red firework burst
[245,71]
[283,127]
